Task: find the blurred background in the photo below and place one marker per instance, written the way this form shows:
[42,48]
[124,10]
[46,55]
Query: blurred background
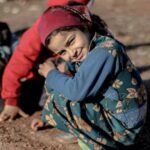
[128,20]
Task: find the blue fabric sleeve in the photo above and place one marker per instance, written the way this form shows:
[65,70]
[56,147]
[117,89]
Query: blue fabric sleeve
[87,81]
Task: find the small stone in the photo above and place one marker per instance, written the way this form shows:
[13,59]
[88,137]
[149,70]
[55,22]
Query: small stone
[15,10]
[2,1]
[6,9]
[34,8]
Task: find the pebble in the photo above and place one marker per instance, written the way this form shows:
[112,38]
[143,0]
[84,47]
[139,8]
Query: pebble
[15,10]
[2,1]
[6,9]
[34,8]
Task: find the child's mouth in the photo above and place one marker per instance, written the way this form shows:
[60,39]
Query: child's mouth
[80,56]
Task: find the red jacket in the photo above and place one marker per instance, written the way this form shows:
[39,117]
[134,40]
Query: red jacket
[23,60]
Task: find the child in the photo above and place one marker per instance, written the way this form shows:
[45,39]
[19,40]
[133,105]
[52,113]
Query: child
[22,67]
[8,42]
[103,103]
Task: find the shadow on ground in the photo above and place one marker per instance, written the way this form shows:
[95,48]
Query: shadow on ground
[135,46]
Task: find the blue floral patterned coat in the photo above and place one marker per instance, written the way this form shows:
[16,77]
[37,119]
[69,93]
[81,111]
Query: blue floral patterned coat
[105,108]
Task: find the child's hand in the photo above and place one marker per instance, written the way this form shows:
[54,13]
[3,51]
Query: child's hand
[36,124]
[62,67]
[10,112]
[47,66]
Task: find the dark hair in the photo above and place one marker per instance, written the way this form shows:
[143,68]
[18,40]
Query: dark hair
[98,25]
[73,3]
[5,34]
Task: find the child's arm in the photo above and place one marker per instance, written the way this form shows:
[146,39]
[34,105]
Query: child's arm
[10,112]
[93,73]
[19,66]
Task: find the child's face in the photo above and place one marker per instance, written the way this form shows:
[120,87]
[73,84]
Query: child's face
[71,45]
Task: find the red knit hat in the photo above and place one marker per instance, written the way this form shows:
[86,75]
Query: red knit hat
[65,2]
[62,16]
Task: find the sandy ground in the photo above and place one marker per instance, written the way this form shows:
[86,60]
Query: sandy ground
[129,20]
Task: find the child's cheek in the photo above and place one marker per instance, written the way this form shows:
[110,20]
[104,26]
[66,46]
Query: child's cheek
[66,57]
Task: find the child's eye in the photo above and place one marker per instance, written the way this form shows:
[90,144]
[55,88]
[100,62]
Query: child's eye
[70,41]
[62,52]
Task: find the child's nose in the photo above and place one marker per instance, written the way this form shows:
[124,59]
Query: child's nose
[73,53]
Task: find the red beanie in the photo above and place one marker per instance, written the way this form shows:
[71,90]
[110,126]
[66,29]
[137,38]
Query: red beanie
[57,17]
[65,2]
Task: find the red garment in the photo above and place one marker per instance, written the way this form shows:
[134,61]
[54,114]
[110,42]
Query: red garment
[23,60]
[58,2]
[64,18]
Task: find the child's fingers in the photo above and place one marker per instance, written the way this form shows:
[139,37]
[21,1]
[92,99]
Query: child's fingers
[40,72]
[36,124]
[40,69]
[41,65]
[11,118]
[4,117]
[23,114]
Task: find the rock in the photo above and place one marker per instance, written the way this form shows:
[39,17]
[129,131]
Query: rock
[15,10]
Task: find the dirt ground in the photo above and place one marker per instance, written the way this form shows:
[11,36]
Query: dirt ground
[129,20]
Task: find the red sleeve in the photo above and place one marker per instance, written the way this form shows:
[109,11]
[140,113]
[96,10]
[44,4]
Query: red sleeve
[20,64]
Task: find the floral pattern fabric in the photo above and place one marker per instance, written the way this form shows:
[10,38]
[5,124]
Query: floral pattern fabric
[111,119]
